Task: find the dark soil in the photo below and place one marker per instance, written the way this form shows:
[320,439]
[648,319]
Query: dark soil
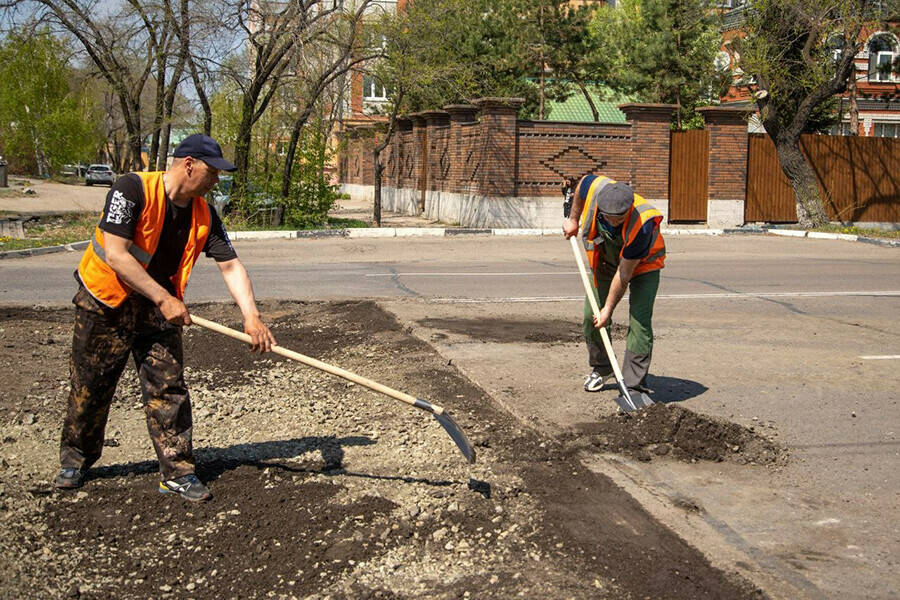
[361,499]
[670,430]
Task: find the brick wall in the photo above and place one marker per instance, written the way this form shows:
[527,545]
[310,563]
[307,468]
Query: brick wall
[483,149]
[727,152]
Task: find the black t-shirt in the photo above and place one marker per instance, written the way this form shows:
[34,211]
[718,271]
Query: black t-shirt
[124,204]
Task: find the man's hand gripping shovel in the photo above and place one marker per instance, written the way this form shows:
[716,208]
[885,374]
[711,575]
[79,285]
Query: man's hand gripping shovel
[439,413]
[627,401]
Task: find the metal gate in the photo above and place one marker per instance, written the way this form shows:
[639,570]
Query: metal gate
[688,175]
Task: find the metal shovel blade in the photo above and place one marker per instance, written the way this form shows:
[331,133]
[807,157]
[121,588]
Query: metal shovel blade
[457,434]
[632,400]
[624,404]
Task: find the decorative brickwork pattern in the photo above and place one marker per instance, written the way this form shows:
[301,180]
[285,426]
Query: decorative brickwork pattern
[482,149]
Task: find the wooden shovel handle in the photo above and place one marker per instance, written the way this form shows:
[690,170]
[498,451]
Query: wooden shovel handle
[596,309]
[322,366]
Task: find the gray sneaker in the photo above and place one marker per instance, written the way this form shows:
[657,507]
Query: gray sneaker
[594,381]
[69,479]
[187,486]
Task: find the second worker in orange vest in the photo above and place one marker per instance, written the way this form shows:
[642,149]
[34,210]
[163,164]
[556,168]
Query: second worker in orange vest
[620,232]
[130,302]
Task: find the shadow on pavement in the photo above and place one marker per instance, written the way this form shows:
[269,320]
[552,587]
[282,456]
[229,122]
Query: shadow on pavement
[667,390]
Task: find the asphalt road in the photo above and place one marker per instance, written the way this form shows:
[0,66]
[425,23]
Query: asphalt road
[518,268]
[797,337]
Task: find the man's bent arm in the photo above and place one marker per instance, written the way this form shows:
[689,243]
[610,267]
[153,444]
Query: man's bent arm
[130,270]
[617,288]
[570,225]
[241,288]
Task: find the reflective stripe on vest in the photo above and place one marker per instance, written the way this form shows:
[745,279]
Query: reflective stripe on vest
[141,255]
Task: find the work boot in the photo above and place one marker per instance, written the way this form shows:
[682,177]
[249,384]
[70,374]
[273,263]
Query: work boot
[69,479]
[594,381]
[187,486]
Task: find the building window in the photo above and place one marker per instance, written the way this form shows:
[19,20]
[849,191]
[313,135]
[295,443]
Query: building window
[840,129]
[889,130]
[881,57]
[373,89]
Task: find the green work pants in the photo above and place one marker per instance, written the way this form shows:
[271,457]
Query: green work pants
[639,346]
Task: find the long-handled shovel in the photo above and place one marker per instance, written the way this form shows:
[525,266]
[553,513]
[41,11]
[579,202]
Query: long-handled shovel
[439,413]
[628,401]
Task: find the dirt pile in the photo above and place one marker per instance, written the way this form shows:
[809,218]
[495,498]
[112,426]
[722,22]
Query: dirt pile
[669,430]
[322,489]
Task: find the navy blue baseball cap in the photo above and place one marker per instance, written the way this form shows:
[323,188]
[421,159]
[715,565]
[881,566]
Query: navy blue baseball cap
[202,147]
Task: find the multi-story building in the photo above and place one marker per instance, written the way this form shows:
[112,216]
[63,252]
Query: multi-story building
[874,91]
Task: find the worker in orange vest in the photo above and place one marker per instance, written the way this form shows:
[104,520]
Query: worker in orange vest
[621,234]
[130,301]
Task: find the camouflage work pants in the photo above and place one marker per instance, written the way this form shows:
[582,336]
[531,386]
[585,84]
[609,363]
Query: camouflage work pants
[103,339]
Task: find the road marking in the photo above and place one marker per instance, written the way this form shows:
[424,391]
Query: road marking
[884,357]
[720,296]
[481,274]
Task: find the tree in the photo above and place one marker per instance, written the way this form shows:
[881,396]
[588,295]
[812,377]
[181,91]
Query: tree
[429,60]
[801,54]
[46,121]
[116,41]
[574,54]
[664,50]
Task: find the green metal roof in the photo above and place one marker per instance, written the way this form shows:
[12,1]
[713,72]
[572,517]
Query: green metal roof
[576,108]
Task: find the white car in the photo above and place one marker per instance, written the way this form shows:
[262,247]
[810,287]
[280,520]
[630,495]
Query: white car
[99,174]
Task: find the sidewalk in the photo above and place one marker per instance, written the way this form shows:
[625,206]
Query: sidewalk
[52,198]
[55,198]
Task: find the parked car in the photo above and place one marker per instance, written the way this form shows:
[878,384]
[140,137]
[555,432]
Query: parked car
[264,207]
[78,170]
[99,174]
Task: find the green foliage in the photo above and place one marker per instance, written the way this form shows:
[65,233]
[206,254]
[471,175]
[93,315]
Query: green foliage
[46,120]
[311,196]
[662,51]
[441,52]
[792,49]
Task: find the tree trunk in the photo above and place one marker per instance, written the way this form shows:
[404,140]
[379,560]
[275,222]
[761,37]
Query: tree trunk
[590,101]
[201,96]
[379,169]
[242,148]
[810,212]
[854,105]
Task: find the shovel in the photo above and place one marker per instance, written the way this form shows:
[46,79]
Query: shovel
[627,401]
[439,413]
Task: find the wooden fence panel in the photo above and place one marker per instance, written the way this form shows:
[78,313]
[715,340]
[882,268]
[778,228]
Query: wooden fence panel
[688,175]
[859,178]
[770,197]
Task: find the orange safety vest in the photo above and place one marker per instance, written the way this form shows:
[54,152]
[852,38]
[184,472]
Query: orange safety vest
[637,216]
[105,284]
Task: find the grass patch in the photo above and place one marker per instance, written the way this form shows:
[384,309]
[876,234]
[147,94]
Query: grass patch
[53,230]
[865,232]
[332,223]
[12,192]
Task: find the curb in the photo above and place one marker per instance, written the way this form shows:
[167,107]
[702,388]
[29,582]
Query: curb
[386,232]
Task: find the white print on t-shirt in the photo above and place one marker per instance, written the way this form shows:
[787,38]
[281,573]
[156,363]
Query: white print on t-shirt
[227,239]
[119,209]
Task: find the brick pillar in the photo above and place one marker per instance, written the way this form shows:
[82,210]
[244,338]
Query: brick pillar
[498,169]
[420,149]
[650,140]
[728,147]
[459,114]
[433,120]
[404,126]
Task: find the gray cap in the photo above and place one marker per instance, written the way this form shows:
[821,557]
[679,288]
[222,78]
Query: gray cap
[615,198]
